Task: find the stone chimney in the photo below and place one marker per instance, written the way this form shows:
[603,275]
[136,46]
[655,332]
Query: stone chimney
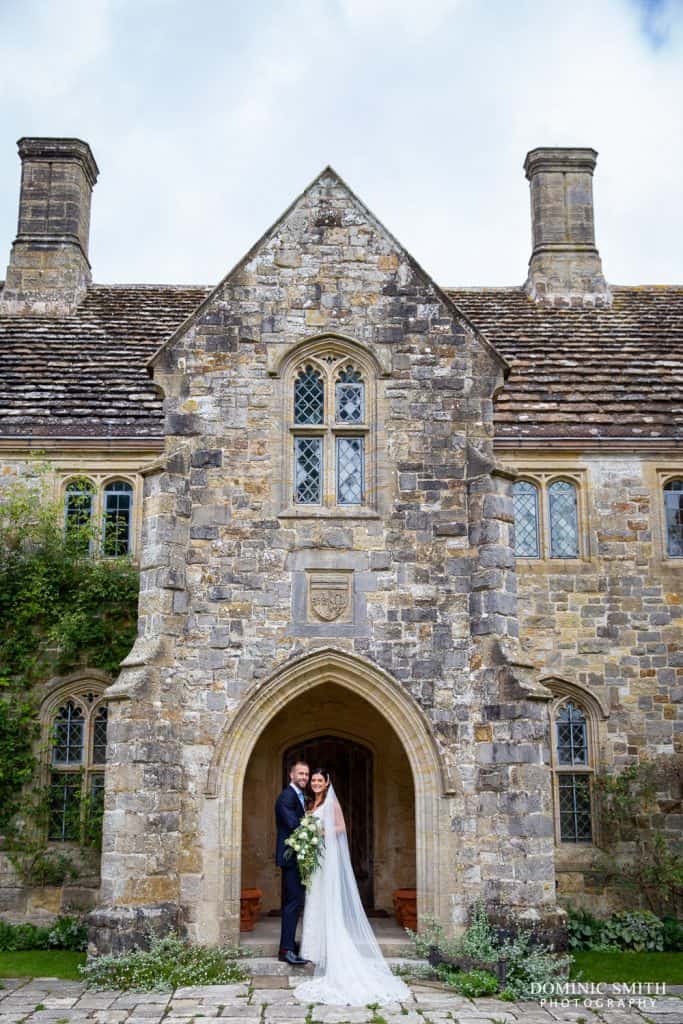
[48,271]
[565,267]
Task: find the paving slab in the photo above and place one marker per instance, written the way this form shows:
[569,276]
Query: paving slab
[248,1016]
[271,1001]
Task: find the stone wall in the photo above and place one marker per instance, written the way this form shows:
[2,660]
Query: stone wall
[611,623]
[427,562]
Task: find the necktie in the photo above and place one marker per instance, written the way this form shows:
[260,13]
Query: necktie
[301,797]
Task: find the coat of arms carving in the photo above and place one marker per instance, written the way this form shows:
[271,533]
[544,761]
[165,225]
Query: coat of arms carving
[329,595]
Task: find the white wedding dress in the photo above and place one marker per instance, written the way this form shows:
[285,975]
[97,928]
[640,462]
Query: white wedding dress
[349,967]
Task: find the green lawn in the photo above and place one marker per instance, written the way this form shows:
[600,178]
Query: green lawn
[629,967]
[41,963]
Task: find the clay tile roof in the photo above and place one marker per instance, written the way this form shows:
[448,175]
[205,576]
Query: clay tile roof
[84,375]
[576,373]
[585,373]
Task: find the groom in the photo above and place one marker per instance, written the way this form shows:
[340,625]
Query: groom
[289,810]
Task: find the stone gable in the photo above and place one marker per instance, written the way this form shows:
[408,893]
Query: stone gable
[419,579]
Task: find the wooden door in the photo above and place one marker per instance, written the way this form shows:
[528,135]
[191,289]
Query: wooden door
[350,765]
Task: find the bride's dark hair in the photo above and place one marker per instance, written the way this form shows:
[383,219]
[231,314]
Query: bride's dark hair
[328,779]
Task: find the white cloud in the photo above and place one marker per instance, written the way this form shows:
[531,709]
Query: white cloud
[46,47]
[207,121]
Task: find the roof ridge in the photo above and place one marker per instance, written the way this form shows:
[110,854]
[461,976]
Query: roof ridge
[151,287]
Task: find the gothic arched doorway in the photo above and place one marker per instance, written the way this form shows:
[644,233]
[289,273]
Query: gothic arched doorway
[351,767]
[238,844]
[330,723]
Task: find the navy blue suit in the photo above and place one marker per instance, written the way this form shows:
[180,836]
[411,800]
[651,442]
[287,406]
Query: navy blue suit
[288,814]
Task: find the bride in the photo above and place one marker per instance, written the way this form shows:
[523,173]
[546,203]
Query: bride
[337,936]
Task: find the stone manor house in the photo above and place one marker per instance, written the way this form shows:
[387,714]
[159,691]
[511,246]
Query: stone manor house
[430,536]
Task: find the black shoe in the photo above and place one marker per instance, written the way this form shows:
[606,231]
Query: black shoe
[291,958]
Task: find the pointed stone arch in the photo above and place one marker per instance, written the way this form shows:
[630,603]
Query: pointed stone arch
[225,780]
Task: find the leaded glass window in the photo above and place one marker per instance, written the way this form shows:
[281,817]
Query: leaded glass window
[575,808]
[350,470]
[572,738]
[99,736]
[78,510]
[331,398]
[573,770]
[350,396]
[118,502]
[673,509]
[308,463]
[96,797]
[68,735]
[309,396]
[563,517]
[65,803]
[525,499]
[77,759]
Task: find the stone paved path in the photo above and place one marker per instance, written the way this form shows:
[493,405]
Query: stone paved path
[268,1000]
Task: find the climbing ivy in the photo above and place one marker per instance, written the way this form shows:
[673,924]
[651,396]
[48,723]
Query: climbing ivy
[61,607]
[651,871]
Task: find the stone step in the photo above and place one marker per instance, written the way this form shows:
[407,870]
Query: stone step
[269,972]
[268,947]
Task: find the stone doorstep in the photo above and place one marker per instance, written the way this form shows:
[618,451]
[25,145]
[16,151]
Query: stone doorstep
[269,966]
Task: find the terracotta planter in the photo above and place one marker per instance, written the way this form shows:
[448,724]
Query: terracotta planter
[250,904]
[405,908]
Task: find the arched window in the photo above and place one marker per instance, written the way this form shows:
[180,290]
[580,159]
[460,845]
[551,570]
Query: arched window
[79,501]
[118,504]
[673,510]
[309,396]
[77,757]
[563,520]
[573,771]
[525,500]
[329,432]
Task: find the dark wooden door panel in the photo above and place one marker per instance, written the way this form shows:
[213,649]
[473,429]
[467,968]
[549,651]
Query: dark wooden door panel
[351,767]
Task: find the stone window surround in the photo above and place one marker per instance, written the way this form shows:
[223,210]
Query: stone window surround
[542,479]
[665,476]
[594,711]
[317,350]
[75,688]
[100,481]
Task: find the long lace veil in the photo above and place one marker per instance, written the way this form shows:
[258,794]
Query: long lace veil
[344,917]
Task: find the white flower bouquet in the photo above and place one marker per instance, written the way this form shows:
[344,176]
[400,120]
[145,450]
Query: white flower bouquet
[306,843]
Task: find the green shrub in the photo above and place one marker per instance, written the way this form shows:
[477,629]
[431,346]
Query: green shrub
[68,933]
[469,983]
[583,930]
[168,964]
[430,935]
[530,965]
[640,930]
[672,934]
[64,933]
[479,941]
[527,964]
[17,937]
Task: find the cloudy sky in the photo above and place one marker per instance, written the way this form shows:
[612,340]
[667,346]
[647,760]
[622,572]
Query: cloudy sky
[207,117]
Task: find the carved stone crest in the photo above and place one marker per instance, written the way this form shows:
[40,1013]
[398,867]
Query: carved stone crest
[329,596]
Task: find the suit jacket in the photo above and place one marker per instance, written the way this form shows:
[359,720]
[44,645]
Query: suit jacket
[288,814]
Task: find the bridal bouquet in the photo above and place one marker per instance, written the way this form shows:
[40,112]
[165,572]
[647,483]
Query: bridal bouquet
[306,843]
